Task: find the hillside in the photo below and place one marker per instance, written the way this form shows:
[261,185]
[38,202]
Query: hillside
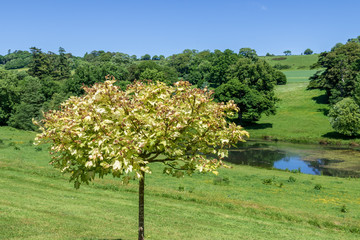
[301,115]
[294,62]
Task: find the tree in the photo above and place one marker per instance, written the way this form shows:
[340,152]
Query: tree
[287,52]
[155,58]
[40,63]
[146,57]
[345,117]
[280,78]
[221,61]
[9,95]
[29,108]
[308,51]
[341,76]
[251,86]
[248,53]
[136,72]
[63,69]
[88,74]
[109,131]
[181,62]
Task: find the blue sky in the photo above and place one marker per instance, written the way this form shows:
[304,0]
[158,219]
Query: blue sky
[167,27]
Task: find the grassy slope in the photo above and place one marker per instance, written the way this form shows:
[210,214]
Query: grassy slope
[37,202]
[295,61]
[301,114]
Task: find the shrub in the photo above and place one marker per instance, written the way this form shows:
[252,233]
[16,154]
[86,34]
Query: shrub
[292,179]
[317,187]
[268,181]
[345,117]
[280,78]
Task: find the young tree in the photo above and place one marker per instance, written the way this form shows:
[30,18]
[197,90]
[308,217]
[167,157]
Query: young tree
[108,131]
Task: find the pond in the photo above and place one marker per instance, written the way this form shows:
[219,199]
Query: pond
[309,159]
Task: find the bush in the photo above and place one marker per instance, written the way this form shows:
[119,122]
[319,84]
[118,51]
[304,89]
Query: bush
[268,181]
[292,179]
[345,117]
[317,187]
[280,78]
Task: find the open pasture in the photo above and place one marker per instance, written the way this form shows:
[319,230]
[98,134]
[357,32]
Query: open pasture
[38,202]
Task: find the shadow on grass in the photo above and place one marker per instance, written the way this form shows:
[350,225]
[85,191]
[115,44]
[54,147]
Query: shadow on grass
[322,99]
[258,125]
[338,136]
[325,111]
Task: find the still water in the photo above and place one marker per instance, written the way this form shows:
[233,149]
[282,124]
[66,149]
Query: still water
[309,159]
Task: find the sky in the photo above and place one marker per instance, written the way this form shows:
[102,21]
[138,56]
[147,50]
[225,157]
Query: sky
[169,26]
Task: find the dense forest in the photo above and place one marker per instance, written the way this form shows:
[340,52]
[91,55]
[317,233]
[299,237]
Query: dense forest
[34,82]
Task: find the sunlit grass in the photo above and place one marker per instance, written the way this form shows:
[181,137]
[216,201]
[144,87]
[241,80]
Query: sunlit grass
[38,202]
[296,62]
[301,114]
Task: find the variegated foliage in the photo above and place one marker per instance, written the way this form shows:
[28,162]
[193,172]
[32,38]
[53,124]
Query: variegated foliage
[109,131]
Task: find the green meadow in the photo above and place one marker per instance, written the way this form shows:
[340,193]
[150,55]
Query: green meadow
[242,202]
[295,62]
[301,115]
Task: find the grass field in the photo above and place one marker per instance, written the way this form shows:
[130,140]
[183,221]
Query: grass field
[37,202]
[301,115]
[295,61]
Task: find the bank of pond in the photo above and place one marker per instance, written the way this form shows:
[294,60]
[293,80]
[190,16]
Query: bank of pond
[308,159]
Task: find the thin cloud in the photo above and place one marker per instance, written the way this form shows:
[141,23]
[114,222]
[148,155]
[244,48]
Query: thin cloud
[261,6]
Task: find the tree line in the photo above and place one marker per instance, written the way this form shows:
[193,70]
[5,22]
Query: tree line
[50,78]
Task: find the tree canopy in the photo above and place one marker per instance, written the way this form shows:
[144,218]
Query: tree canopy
[308,51]
[341,76]
[287,52]
[251,86]
[345,117]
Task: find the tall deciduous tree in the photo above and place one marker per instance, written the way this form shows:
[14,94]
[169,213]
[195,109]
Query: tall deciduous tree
[109,131]
[251,86]
[341,76]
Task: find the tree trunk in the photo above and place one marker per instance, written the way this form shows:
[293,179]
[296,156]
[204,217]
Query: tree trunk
[141,207]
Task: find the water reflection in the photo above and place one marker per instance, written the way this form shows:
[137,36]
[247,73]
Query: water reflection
[279,157]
